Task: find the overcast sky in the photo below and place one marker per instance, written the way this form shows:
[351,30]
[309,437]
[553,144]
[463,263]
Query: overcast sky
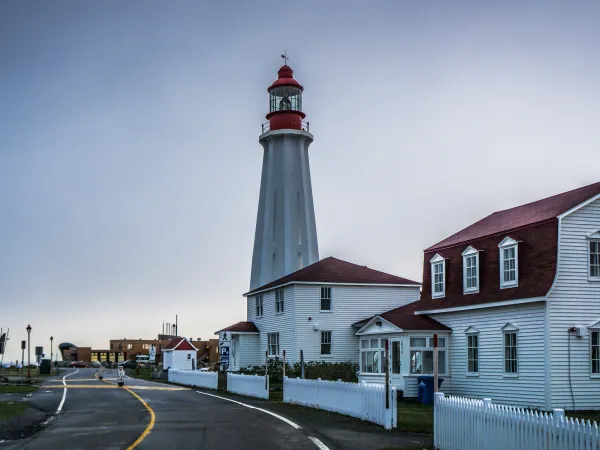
[130,163]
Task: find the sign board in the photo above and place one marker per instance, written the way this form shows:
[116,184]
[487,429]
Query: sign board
[2,343]
[23,345]
[152,354]
[39,351]
[225,339]
[224,356]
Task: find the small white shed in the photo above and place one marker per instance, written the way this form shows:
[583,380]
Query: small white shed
[179,354]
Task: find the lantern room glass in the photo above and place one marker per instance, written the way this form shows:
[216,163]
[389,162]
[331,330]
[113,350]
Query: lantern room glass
[286,98]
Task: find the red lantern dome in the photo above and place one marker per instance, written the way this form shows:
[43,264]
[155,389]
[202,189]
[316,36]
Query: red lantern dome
[285,96]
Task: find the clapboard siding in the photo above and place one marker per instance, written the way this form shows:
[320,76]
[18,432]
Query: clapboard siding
[248,351]
[349,305]
[574,301]
[527,389]
[272,322]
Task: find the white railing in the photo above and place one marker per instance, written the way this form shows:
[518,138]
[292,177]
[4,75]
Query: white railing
[195,378]
[363,400]
[251,385]
[467,424]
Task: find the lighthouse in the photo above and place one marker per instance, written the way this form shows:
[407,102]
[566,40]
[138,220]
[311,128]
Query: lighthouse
[286,233]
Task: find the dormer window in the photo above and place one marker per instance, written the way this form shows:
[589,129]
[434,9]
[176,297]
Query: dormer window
[470,270]
[438,276]
[594,256]
[509,263]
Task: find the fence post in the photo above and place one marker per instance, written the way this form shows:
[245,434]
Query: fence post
[558,415]
[283,375]
[266,369]
[437,398]
[484,431]
[301,364]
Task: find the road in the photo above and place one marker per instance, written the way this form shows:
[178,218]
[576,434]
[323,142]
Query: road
[99,415]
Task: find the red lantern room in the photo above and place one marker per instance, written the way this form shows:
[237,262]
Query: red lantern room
[285,95]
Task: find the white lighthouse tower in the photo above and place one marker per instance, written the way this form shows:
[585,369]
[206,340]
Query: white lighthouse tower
[286,232]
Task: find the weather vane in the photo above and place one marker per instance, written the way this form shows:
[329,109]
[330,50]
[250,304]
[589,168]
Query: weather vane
[285,58]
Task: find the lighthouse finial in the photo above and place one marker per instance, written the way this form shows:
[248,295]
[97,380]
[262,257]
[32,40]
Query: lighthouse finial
[285,58]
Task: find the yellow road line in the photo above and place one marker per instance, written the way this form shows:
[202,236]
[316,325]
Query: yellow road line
[146,432]
[150,425]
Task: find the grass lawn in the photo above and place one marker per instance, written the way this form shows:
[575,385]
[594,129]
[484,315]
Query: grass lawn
[145,374]
[17,389]
[11,409]
[414,417]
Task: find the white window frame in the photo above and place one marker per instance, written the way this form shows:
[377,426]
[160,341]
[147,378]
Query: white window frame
[428,348]
[471,333]
[595,362]
[470,252]
[507,329]
[279,301]
[325,291]
[273,343]
[378,350]
[438,260]
[259,305]
[506,244]
[328,335]
[593,238]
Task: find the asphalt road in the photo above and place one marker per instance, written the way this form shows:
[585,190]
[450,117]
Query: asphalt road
[99,415]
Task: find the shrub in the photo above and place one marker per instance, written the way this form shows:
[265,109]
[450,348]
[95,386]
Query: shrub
[345,371]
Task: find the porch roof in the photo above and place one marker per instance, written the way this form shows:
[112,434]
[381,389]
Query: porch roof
[404,317]
[241,327]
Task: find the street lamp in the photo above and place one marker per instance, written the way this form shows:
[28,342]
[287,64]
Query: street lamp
[28,351]
[51,354]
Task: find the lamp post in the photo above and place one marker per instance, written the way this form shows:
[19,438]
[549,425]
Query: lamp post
[51,354]
[28,351]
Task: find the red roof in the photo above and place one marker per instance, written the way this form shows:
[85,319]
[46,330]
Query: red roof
[179,344]
[333,270]
[521,216]
[404,317]
[241,327]
[285,77]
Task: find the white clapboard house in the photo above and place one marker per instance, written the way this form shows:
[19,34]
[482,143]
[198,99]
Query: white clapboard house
[313,310]
[515,300]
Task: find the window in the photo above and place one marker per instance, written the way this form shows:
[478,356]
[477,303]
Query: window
[369,349]
[273,344]
[396,350]
[325,299]
[145,346]
[472,353]
[438,278]
[595,341]
[189,355]
[594,258]
[421,355]
[279,301]
[325,342]
[509,263]
[129,346]
[259,305]
[510,353]
[470,270]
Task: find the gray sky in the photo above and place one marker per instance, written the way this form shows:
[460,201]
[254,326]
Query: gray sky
[130,163]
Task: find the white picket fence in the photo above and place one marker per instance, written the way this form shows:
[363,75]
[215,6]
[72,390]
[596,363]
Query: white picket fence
[362,400]
[467,424]
[251,385]
[195,378]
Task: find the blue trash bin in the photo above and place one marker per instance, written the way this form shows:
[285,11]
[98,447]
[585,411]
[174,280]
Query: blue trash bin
[425,384]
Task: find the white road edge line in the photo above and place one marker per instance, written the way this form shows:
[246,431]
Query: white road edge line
[318,443]
[64,397]
[289,422]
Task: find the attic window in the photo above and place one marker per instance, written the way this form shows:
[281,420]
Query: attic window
[470,270]
[438,276]
[509,263]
